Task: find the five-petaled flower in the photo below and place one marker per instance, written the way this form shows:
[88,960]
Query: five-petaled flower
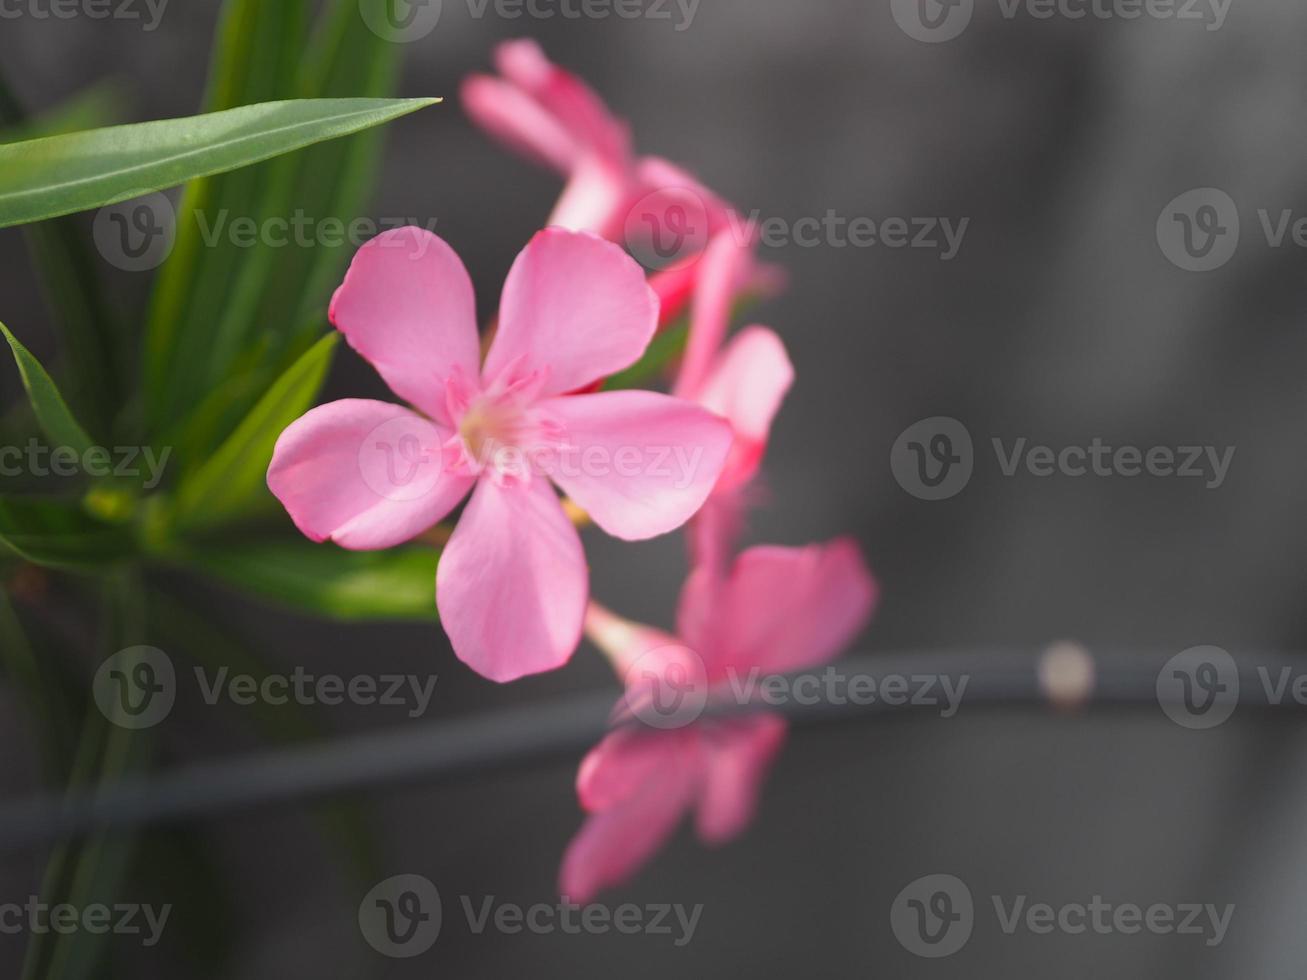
[776,610]
[512,584]
[652,206]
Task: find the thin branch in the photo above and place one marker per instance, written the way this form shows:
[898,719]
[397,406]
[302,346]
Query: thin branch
[1063,678]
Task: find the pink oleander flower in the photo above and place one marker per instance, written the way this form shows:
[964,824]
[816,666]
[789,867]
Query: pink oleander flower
[745,383]
[512,584]
[653,207]
[778,610]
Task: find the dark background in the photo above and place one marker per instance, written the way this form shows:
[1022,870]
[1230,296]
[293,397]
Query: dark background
[1060,321]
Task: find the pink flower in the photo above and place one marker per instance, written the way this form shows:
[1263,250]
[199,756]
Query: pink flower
[512,583]
[554,118]
[745,383]
[778,610]
[663,214]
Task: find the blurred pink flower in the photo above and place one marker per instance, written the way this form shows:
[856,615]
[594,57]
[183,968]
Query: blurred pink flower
[659,211]
[778,610]
[745,383]
[512,583]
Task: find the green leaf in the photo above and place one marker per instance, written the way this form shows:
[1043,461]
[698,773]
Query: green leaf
[393,586]
[67,271]
[256,58]
[60,535]
[51,410]
[271,299]
[43,694]
[60,175]
[92,871]
[225,485]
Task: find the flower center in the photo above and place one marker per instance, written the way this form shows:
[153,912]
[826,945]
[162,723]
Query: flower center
[492,428]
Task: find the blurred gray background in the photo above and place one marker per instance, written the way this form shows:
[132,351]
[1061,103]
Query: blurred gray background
[1060,320]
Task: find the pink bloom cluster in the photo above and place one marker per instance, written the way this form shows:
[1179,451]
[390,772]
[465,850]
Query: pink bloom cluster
[504,429]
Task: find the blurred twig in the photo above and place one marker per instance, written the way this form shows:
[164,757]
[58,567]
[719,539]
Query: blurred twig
[526,736]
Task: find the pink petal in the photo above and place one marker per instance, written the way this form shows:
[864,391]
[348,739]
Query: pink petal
[575,307]
[594,199]
[520,122]
[746,386]
[617,768]
[407,307]
[613,845]
[722,273]
[624,642]
[674,287]
[656,174]
[512,583]
[714,531]
[737,754]
[366,474]
[641,463]
[780,609]
[564,95]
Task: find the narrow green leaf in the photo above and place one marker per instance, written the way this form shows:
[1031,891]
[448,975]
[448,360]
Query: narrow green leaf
[388,586]
[224,486]
[43,695]
[256,58]
[273,296]
[59,175]
[92,871]
[60,535]
[68,274]
[51,410]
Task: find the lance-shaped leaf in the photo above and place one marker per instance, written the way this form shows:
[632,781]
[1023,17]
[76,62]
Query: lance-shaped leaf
[225,485]
[66,268]
[202,337]
[324,580]
[52,412]
[60,535]
[256,58]
[60,175]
